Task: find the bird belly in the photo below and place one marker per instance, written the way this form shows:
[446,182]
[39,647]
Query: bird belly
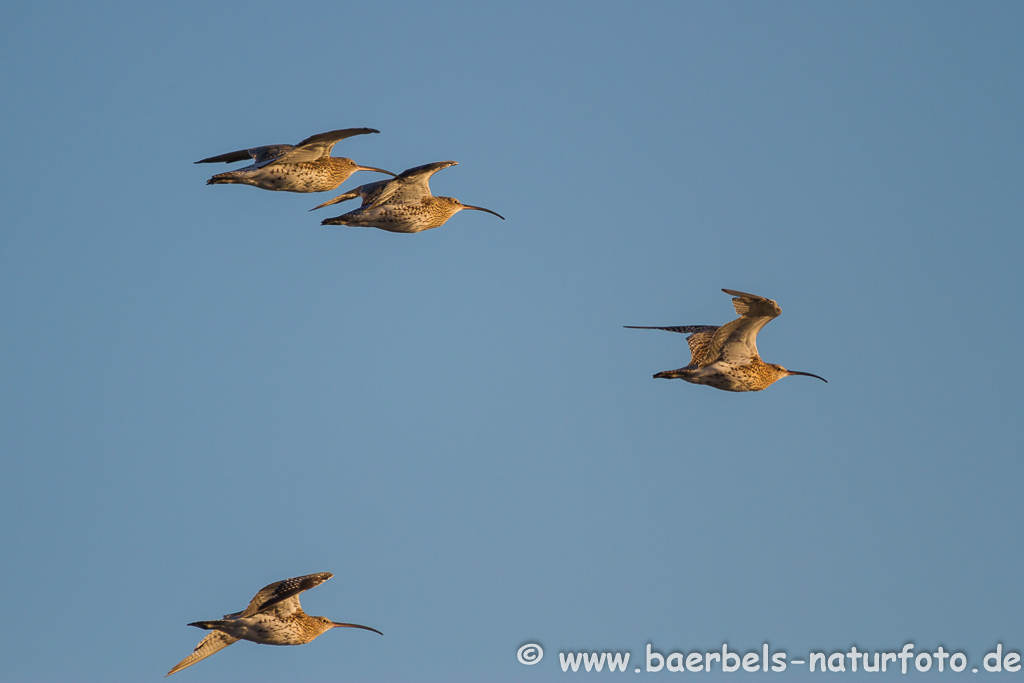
[262,629]
[392,218]
[306,177]
[720,376]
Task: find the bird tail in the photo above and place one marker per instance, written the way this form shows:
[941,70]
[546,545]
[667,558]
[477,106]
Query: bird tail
[353,219]
[681,373]
[223,179]
[210,625]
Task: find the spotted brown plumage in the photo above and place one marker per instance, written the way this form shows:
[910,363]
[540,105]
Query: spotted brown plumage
[403,204]
[273,617]
[305,167]
[726,357]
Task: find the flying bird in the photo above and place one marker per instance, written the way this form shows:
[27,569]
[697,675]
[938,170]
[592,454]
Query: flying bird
[273,617]
[305,167]
[403,204]
[726,357]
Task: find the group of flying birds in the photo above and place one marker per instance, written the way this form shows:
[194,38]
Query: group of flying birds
[402,204]
[724,357]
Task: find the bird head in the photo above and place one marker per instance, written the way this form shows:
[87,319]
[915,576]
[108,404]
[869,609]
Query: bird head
[348,167]
[454,206]
[781,372]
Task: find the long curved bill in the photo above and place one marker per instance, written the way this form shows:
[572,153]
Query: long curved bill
[805,374]
[480,208]
[367,628]
[371,168]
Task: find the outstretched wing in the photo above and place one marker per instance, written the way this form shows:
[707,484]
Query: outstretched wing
[317,146]
[228,158]
[369,192]
[215,641]
[261,155]
[685,329]
[700,346]
[269,154]
[699,340]
[411,186]
[736,341]
[753,305]
[282,596]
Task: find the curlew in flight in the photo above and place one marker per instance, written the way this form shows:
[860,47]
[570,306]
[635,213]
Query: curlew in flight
[726,357]
[403,204]
[273,617]
[305,167]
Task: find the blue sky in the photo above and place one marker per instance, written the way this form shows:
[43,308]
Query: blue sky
[202,390]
